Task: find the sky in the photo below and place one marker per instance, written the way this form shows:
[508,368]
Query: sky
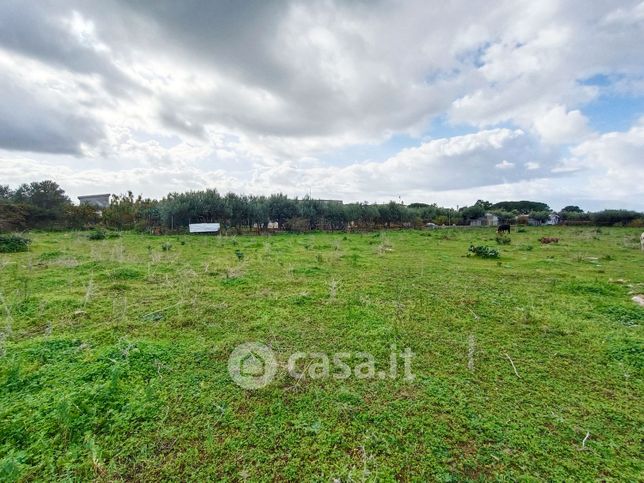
[417,101]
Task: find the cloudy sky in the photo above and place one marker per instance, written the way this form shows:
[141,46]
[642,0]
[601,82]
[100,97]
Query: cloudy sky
[443,102]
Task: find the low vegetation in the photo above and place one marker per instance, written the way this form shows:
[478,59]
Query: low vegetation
[13,243]
[484,251]
[113,360]
[97,235]
[502,239]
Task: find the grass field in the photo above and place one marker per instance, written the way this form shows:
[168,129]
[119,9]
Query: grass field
[114,357]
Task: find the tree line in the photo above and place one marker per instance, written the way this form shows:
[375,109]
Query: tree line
[44,205]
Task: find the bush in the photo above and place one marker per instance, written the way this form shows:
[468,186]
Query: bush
[13,244]
[166,247]
[503,239]
[483,252]
[97,235]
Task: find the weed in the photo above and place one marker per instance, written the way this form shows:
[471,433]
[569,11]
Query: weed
[503,239]
[166,247]
[333,289]
[46,256]
[385,247]
[483,251]
[97,234]
[13,244]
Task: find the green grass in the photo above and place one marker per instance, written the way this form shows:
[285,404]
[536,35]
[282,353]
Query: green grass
[114,357]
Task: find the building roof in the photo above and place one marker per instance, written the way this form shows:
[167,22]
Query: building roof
[98,201]
[94,196]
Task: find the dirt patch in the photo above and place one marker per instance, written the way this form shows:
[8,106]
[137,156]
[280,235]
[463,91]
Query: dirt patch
[639,299]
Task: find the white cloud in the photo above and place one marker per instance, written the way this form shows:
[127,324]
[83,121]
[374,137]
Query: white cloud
[504,165]
[557,126]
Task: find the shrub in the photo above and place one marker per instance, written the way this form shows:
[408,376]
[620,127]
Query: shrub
[521,230]
[483,252]
[638,223]
[97,235]
[503,239]
[240,255]
[166,247]
[13,244]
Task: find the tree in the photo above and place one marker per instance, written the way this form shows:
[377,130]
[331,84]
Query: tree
[521,207]
[540,216]
[390,213]
[258,213]
[237,209]
[573,216]
[121,212]
[472,212]
[13,217]
[615,217]
[336,216]
[486,205]
[505,216]
[571,209]
[80,216]
[280,208]
[5,193]
[46,195]
[45,202]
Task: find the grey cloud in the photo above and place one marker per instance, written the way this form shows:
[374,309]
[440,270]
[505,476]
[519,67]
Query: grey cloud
[331,67]
[32,123]
[170,119]
[37,30]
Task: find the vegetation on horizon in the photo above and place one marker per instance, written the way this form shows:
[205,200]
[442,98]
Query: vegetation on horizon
[45,205]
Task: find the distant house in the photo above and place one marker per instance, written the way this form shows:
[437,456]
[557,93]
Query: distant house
[331,202]
[99,202]
[553,219]
[490,219]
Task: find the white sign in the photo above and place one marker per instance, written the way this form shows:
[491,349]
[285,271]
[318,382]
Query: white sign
[204,227]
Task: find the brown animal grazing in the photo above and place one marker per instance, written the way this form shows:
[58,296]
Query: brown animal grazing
[503,228]
[548,239]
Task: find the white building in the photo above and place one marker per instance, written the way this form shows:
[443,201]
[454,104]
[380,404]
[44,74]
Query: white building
[99,202]
[490,219]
